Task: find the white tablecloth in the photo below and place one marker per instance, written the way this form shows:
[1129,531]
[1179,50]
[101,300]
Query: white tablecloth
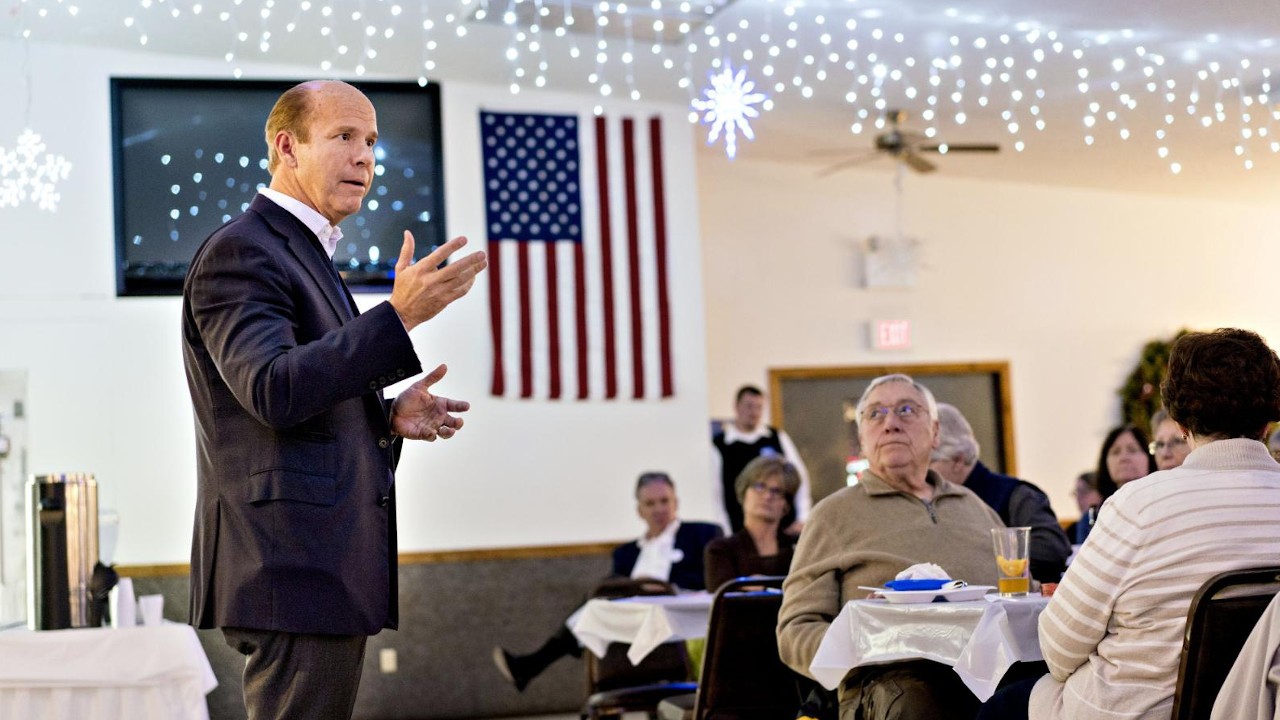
[102,673]
[981,638]
[644,622]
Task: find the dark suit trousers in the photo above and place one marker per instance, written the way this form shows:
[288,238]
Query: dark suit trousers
[290,675]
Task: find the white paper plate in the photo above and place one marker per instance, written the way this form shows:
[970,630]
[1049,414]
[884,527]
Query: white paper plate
[969,592]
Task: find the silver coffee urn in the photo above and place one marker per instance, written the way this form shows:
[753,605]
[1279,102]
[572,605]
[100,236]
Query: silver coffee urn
[62,549]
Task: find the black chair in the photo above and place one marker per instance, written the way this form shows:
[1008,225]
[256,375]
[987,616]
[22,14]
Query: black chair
[1222,614]
[614,685]
[742,675]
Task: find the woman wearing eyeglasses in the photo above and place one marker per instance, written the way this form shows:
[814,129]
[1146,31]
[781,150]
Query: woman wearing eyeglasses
[766,489]
[1168,445]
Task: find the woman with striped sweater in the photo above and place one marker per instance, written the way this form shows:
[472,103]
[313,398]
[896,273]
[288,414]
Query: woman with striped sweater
[1112,634]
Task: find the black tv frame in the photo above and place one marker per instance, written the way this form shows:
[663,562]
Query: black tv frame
[367,277]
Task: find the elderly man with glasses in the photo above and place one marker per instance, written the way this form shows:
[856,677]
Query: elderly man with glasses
[899,514]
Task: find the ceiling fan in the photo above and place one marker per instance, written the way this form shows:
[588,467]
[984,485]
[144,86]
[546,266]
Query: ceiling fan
[907,147]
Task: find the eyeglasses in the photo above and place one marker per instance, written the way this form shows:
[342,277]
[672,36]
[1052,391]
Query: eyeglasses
[1173,444]
[906,411]
[768,490]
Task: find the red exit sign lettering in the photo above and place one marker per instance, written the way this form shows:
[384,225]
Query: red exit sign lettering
[891,334]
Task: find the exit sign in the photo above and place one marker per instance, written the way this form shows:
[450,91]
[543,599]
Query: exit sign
[890,334]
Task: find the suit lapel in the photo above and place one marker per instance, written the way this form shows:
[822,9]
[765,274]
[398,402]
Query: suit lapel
[305,247]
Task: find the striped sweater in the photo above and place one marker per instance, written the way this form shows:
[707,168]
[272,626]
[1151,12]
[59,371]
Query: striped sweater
[1113,632]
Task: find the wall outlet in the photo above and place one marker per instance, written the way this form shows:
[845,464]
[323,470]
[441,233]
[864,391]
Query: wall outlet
[387,660]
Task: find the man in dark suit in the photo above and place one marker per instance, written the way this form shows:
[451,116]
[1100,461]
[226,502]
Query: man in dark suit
[294,548]
[669,550]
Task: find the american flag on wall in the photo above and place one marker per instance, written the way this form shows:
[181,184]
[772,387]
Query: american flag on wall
[578,287]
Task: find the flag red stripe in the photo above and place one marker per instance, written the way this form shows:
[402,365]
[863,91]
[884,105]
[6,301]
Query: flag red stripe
[580,316]
[498,384]
[553,322]
[633,257]
[526,323]
[660,248]
[606,259]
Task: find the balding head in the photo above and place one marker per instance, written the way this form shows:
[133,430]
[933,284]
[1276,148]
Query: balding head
[292,113]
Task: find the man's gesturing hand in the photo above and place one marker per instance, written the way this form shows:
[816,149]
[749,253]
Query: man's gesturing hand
[421,290]
[418,415]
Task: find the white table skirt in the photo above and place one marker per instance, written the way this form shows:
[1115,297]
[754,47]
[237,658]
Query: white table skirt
[981,639]
[644,622]
[103,673]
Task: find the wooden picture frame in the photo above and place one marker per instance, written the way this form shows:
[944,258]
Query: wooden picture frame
[814,406]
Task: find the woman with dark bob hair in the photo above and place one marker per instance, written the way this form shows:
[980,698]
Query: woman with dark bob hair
[1112,633]
[766,489]
[1124,458]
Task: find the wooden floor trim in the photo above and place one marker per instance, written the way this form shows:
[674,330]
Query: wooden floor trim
[418,558]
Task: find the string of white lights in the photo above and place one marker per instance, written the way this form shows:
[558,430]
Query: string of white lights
[955,66]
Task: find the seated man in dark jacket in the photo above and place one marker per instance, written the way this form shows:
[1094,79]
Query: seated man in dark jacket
[1017,502]
[668,550]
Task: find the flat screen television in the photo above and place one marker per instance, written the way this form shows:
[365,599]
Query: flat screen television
[190,155]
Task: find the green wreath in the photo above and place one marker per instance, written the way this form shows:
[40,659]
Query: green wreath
[1140,395]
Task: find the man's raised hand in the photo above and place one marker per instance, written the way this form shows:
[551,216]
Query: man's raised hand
[423,289]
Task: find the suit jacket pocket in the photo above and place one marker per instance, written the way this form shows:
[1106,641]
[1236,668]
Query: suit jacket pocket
[285,484]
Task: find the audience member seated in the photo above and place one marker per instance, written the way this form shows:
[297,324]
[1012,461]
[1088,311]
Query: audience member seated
[899,514]
[1088,500]
[1124,458]
[669,550]
[1017,502]
[738,443]
[1113,632]
[766,490]
[1168,446]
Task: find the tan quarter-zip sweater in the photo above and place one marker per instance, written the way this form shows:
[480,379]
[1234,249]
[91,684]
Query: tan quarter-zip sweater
[867,534]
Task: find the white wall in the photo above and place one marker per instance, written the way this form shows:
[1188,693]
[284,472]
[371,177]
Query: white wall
[1067,285]
[107,392]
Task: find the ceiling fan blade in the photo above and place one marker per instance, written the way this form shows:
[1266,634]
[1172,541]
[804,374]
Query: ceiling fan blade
[846,164]
[960,147]
[917,163]
[834,152]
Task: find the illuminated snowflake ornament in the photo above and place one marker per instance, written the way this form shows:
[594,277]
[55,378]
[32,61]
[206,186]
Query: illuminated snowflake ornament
[27,173]
[726,107]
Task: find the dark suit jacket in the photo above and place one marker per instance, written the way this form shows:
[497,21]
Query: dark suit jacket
[691,539]
[295,514]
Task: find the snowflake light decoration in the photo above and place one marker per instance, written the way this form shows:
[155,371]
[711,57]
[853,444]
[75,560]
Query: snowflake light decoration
[726,107]
[28,173]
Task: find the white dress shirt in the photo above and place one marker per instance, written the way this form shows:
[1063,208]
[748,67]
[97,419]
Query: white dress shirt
[658,554]
[329,234]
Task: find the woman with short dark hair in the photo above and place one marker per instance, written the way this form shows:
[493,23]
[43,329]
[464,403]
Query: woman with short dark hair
[1124,458]
[1112,633]
[766,489]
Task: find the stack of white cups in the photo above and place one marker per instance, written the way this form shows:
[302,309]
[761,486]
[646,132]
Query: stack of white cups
[126,610]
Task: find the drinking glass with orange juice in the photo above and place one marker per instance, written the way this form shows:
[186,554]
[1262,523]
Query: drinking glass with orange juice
[1012,547]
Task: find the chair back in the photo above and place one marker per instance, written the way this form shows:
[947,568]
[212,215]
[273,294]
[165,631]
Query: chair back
[742,676]
[1222,614]
[667,663]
